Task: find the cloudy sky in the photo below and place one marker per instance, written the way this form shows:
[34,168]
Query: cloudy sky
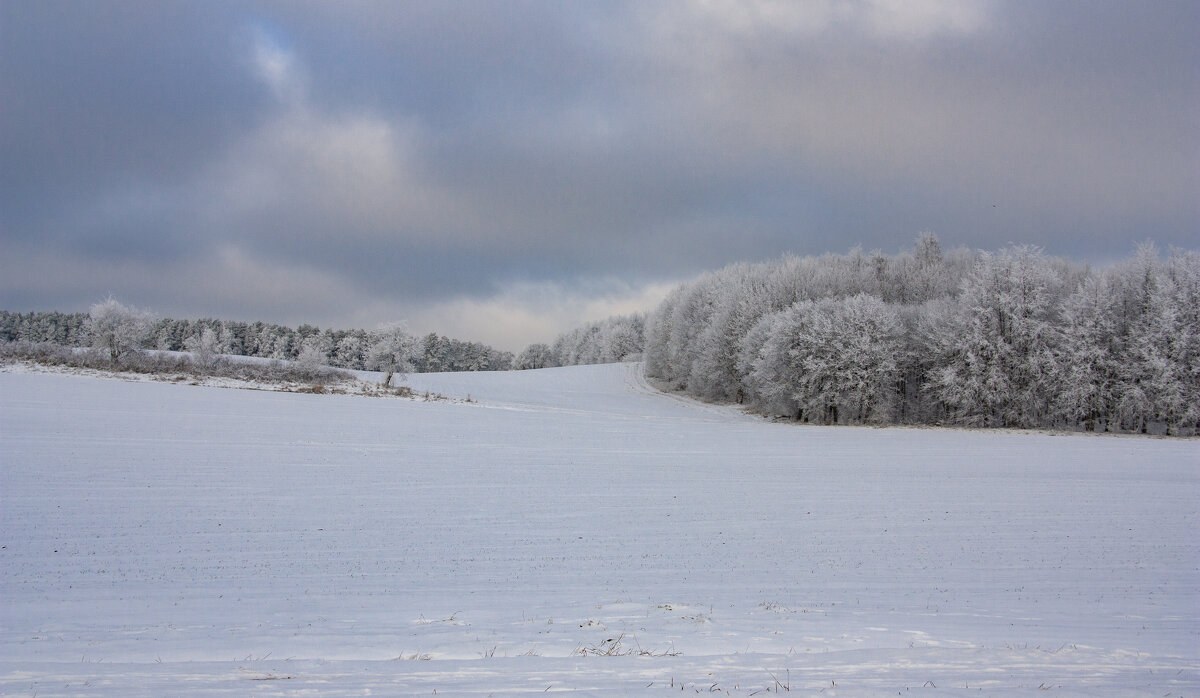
[501,171]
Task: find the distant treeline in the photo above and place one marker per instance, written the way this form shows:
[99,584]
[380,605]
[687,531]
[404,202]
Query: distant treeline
[1012,338]
[343,348]
[618,338]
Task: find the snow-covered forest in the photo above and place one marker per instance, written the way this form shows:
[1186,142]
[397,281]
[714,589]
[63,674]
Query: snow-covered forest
[1012,338]
[341,348]
[618,338]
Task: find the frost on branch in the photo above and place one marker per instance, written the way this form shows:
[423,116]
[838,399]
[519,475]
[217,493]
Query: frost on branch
[392,350]
[118,329]
[1012,338]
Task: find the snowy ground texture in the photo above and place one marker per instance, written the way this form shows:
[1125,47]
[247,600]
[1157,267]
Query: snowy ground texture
[575,530]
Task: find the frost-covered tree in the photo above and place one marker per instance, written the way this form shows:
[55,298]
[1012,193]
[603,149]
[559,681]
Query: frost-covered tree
[534,356]
[932,342]
[66,329]
[617,338]
[171,335]
[624,337]
[1006,338]
[924,275]
[118,329]
[1088,359]
[391,351]
[688,320]
[740,301]
[1004,371]
[832,360]
[855,358]
[280,343]
[351,350]
[205,347]
[1180,298]
[435,353]
[1135,284]
[658,329]
[312,357]
[769,374]
[1159,384]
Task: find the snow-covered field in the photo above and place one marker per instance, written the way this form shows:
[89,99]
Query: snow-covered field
[575,530]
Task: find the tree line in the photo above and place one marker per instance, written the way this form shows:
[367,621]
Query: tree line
[618,338]
[350,349]
[1011,338]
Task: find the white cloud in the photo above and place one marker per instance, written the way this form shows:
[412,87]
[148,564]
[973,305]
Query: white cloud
[354,170]
[278,68]
[910,19]
[918,19]
[350,173]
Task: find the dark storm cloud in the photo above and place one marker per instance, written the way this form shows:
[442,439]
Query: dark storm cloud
[245,158]
[100,94]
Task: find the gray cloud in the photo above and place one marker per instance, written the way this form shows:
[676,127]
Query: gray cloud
[250,159]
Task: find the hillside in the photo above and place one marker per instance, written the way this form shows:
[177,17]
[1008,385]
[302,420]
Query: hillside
[160,539]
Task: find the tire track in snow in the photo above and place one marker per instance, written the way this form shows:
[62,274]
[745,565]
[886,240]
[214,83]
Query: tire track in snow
[636,381]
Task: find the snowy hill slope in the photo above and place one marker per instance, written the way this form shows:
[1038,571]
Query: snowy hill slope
[162,539]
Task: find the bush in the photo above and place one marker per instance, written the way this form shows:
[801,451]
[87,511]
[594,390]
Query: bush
[163,363]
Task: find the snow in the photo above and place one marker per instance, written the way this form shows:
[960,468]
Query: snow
[574,529]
